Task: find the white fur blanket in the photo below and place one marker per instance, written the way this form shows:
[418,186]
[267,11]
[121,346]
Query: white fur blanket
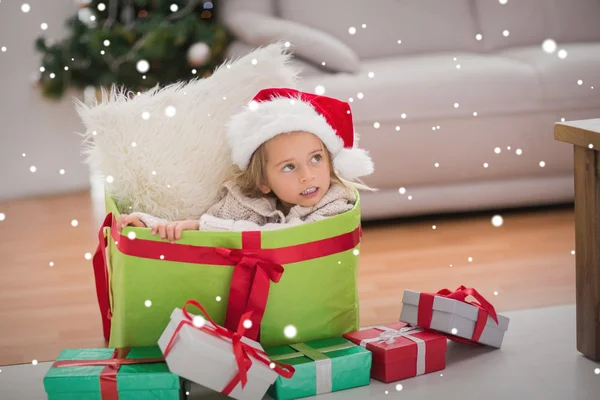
[171,166]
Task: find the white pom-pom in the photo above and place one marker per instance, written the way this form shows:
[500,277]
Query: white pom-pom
[353,163]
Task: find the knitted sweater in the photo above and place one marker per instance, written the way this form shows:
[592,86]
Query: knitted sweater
[236,212]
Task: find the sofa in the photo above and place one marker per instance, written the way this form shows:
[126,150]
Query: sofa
[455,100]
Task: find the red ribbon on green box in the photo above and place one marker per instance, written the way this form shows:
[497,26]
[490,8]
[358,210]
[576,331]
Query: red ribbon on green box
[108,376]
[255,268]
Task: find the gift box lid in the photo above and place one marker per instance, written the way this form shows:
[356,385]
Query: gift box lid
[155,376]
[400,348]
[216,351]
[222,346]
[453,306]
[347,361]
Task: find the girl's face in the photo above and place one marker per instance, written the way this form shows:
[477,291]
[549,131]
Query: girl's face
[297,168]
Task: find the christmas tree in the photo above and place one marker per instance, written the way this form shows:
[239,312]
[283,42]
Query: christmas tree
[134,43]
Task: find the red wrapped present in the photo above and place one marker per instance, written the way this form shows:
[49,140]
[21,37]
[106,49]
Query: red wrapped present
[401,351]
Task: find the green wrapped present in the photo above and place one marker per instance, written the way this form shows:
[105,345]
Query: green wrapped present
[322,366]
[305,276]
[102,374]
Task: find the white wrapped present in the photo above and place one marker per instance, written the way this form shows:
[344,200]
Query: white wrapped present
[449,312]
[205,353]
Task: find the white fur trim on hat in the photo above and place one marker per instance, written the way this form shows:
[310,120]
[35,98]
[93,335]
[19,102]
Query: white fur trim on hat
[262,121]
[353,163]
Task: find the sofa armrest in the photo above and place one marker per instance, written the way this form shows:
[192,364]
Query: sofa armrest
[305,42]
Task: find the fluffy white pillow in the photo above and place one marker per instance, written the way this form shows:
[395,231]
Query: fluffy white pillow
[172,166]
[305,42]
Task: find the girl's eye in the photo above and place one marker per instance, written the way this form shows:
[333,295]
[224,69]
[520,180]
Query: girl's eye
[317,158]
[288,168]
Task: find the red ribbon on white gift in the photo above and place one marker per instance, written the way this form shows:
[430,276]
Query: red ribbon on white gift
[241,350]
[389,335]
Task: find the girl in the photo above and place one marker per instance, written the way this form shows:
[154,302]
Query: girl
[295,161]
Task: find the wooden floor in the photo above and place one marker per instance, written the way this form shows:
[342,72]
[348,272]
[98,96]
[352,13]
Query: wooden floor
[525,263]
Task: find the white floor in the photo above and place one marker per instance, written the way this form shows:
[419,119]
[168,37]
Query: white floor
[538,360]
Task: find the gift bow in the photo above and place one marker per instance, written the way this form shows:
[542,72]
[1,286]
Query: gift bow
[389,335]
[242,351]
[485,308]
[250,285]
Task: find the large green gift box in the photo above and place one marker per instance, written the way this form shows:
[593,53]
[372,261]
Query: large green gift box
[305,276]
[322,366]
[100,374]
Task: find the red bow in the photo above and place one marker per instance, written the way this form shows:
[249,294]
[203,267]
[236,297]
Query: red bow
[425,309]
[242,351]
[250,285]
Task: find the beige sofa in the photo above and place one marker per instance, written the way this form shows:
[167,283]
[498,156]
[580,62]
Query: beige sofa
[462,122]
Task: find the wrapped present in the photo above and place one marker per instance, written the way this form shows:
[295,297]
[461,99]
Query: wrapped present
[277,275]
[205,353]
[321,366]
[400,351]
[108,374]
[449,312]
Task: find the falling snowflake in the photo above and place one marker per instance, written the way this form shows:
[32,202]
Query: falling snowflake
[142,66]
[549,46]
[290,331]
[497,220]
[170,111]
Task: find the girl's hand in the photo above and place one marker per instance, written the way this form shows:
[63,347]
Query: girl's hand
[172,230]
[126,220]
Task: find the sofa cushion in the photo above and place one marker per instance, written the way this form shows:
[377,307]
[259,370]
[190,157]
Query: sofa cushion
[238,49]
[422,26]
[530,22]
[558,77]
[267,7]
[427,87]
[309,43]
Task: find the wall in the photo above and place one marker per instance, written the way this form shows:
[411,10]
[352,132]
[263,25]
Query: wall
[44,130]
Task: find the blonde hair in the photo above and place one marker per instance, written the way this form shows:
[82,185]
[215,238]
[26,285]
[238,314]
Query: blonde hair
[249,179]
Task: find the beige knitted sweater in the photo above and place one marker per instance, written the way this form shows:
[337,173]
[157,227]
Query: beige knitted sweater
[236,212]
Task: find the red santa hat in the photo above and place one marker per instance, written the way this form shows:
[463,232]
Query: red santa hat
[280,110]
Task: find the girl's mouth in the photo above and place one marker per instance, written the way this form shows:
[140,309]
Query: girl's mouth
[310,192]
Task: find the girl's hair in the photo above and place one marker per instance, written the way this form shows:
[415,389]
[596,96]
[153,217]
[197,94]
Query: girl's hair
[255,174]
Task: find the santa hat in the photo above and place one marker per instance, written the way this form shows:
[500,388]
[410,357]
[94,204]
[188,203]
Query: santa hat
[280,110]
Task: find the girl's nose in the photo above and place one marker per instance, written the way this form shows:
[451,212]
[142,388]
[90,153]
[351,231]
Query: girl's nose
[307,175]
